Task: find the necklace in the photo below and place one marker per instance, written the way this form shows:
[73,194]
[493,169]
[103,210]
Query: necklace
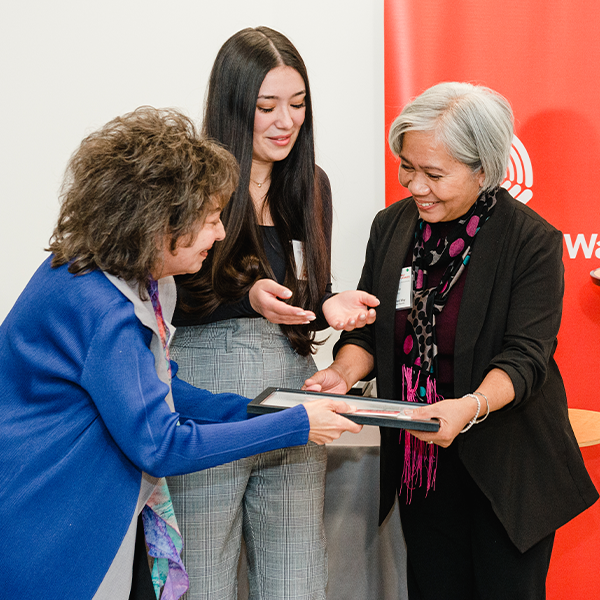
[260,184]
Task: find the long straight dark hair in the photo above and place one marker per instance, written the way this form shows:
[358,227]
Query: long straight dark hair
[294,197]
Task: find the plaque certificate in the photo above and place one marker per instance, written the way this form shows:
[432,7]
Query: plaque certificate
[369,411]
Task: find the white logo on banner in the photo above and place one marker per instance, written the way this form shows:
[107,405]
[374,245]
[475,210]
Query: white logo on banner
[519,178]
[586,247]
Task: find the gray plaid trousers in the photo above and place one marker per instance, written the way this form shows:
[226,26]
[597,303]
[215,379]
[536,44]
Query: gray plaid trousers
[275,499]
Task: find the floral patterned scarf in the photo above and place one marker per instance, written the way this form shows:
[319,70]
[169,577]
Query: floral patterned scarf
[160,525]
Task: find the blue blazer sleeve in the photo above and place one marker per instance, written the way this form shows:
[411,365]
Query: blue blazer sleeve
[120,377]
[203,406]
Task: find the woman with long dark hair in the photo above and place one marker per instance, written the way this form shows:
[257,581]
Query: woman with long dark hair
[248,319]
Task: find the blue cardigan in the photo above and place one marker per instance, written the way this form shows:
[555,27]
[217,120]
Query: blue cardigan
[82,414]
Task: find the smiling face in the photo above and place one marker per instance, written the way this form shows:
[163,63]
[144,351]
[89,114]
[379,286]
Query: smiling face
[280,111]
[189,258]
[443,188]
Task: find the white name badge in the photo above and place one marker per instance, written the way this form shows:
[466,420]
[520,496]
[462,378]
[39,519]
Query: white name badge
[404,297]
[298,248]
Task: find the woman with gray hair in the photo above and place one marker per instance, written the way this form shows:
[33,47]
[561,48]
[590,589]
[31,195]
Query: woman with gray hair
[471,285]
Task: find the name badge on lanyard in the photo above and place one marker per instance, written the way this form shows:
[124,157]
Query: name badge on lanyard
[298,248]
[405,289]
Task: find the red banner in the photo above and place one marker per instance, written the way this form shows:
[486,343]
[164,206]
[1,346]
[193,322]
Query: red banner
[543,56]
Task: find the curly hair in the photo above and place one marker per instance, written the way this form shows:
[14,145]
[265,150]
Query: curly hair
[141,177]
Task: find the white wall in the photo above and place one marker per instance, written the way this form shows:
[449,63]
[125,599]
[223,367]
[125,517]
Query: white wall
[69,66]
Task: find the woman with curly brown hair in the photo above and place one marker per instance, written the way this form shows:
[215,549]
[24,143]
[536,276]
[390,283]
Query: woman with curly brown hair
[87,421]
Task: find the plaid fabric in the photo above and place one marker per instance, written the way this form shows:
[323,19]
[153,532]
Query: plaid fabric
[275,498]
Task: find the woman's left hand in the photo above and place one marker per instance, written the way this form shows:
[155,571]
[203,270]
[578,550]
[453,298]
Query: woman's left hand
[452,414]
[349,310]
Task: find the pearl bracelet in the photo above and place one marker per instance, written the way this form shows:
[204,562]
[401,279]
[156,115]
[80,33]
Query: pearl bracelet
[487,404]
[474,419]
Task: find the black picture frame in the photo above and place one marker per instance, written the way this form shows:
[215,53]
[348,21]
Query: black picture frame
[274,399]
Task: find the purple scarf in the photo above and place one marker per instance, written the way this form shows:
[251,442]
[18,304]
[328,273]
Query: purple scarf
[160,525]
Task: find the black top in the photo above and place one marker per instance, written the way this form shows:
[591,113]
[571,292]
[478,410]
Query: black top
[241,308]
[276,258]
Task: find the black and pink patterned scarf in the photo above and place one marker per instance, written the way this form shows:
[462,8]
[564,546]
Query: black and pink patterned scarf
[419,369]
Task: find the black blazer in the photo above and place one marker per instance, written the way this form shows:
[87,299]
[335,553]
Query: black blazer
[524,457]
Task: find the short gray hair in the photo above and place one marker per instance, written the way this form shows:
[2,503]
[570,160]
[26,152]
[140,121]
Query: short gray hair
[473,122]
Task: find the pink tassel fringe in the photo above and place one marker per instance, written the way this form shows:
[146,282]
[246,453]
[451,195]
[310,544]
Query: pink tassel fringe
[418,455]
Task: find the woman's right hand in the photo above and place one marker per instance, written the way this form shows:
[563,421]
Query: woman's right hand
[326,424]
[265,297]
[351,364]
[327,380]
